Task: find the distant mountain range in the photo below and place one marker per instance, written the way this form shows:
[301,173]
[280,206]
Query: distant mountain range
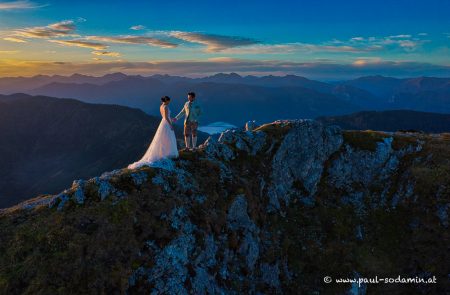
[403,120]
[234,103]
[245,97]
[12,85]
[387,87]
[420,94]
[45,142]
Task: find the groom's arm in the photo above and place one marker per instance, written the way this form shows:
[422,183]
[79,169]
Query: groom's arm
[181,114]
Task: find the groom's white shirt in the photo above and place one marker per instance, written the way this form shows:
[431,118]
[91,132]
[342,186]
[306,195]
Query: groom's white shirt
[191,111]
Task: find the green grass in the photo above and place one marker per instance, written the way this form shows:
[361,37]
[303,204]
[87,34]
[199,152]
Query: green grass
[364,140]
[276,131]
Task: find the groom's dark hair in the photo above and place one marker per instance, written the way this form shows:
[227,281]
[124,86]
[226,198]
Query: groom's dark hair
[165,98]
[191,94]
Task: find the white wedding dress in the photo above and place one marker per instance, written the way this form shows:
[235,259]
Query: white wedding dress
[163,146]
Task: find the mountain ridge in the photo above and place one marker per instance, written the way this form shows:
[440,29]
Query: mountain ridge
[244,214]
[366,93]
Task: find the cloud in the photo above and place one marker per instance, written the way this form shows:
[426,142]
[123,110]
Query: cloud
[9,51]
[81,43]
[14,39]
[366,61]
[106,53]
[263,49]
[223,59]
[60,29]
[214,43]
[404,36]
[13,5]
[408,44]
[134,40]
[298,47]
[67,29]
[137,28]
[314,70]
[405,44]
[354,45]
[345,48]
[404,41]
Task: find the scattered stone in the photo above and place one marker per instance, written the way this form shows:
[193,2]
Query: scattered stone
[78,186]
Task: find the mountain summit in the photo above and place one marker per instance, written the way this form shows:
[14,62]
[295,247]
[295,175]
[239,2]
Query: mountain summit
[274,210]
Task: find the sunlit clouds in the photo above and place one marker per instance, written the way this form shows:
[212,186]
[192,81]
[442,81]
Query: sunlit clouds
[15,5]
[81,43]
[106,53]
[60,29]
[65,33]
[214,43]
[134,40]
[2,52]
[14,39]
[355,45]
[361,62]
[298,48]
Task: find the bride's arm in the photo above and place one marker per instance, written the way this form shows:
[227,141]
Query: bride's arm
[166,117]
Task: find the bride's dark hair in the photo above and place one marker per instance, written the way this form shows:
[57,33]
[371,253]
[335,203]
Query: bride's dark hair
[165,98]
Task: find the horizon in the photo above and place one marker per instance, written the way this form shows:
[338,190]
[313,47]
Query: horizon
[213,75]
[399,40]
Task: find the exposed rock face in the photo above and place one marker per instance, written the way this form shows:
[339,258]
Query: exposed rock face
[268,211]
[301,158]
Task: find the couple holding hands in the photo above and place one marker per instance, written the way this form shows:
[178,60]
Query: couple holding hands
[164,144]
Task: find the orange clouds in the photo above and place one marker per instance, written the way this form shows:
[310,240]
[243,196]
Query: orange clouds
[14,39]
[134,40]
[106,53]
[21,4]
[60,29]
[81,43]
[214,43]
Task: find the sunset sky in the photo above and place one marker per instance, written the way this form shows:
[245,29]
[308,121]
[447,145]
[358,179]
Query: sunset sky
[315,39]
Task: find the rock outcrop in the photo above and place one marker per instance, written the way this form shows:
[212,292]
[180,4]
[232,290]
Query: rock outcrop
[268,211]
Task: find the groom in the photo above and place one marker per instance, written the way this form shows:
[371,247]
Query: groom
[192,111]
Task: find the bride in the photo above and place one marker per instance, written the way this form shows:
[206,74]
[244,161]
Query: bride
[164,144]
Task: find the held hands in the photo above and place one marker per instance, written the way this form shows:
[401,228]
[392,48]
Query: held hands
[174,120]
